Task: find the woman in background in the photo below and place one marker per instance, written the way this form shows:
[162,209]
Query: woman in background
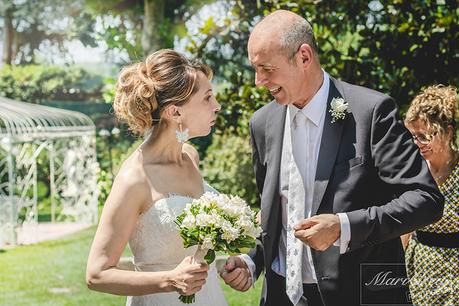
[432,254]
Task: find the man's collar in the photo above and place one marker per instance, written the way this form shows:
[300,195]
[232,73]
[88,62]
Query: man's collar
[315,108]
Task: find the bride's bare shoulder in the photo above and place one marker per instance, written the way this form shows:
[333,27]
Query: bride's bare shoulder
[131,176]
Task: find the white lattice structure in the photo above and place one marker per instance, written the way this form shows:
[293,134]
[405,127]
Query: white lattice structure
[53,143]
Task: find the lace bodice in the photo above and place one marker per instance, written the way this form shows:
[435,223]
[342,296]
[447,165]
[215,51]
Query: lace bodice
[157,246]
[156,239]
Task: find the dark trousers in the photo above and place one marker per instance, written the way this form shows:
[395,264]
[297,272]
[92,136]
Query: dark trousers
[277,296]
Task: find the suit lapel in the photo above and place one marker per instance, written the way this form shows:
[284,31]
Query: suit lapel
[329,145]
[274,139]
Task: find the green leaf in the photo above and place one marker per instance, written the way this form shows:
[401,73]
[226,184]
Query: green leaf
[210,256]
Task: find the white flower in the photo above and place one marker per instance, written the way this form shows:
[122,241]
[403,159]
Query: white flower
[207,243]
[189,221]
[230,233]
[338,109]
[217,222]
[202,219]
[248,227]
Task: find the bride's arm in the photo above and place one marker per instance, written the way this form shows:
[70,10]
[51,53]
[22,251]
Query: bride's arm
[119,217]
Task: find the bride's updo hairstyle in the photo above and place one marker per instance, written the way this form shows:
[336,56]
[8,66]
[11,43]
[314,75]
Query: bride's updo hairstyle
[145,89]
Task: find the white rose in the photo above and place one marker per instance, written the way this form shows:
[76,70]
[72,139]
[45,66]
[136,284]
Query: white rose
[338,105]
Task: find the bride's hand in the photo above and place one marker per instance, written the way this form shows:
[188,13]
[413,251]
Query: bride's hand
[188,277]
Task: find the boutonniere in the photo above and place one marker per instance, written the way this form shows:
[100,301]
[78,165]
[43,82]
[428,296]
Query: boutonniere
[338,109]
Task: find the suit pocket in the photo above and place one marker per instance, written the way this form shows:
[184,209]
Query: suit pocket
[348,164]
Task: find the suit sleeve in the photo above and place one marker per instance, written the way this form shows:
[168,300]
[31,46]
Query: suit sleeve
[257,254]
[416,202]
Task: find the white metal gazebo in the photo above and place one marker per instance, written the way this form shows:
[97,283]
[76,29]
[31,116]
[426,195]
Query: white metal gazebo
[60,144]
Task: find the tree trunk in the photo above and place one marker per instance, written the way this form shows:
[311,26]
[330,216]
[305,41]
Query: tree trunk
[151,31]
[8,35]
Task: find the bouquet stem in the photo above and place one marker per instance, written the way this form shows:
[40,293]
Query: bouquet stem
[198,257]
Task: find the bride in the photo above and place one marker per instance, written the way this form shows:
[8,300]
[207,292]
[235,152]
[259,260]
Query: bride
[170,99]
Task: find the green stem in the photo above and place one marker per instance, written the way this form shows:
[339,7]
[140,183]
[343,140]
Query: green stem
[187,299]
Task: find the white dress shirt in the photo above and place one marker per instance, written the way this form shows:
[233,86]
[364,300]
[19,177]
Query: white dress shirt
[314,116]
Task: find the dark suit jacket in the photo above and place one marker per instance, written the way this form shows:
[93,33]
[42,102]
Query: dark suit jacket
[368,167]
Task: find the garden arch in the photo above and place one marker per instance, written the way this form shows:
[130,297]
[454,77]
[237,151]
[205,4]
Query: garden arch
[50,149]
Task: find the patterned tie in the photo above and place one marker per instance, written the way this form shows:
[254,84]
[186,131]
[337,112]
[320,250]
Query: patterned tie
[296,209]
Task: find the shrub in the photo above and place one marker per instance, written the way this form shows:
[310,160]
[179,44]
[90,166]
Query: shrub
[228,166]
[36,83]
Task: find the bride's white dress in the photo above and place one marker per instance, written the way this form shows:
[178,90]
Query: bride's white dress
[157,246]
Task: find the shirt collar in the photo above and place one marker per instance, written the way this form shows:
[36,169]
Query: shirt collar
[315,108]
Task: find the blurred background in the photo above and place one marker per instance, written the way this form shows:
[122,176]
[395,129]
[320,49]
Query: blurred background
[67,54]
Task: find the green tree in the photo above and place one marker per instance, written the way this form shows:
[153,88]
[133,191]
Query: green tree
[395,46]
[30,25]
[140,27]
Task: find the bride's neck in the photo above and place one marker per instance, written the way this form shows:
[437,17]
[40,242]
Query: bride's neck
[162,147]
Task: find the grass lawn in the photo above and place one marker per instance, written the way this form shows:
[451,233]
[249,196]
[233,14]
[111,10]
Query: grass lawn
[53,273]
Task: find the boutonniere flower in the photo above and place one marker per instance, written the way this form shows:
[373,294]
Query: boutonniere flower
[338,109]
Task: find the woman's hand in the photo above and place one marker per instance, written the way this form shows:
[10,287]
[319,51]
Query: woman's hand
[188,277]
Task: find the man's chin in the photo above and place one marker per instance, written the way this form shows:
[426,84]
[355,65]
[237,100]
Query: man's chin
[280,101]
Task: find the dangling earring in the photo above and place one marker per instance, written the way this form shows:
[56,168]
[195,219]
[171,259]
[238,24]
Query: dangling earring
[182,136]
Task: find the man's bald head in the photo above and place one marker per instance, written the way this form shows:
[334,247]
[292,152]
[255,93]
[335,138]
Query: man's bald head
[287,30]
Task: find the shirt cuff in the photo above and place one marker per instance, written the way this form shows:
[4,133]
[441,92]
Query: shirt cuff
[345,237]
[250,264]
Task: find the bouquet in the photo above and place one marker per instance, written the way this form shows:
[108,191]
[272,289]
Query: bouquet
[217,222]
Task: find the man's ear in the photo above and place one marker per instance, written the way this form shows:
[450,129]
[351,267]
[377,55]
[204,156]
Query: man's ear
[306,54]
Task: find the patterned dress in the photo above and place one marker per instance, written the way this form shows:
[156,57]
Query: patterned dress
[434,271]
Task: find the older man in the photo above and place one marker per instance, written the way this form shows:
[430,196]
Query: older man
[339,176]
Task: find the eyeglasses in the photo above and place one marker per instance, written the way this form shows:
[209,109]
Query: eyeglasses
[423,139]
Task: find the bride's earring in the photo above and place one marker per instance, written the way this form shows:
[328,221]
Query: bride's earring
[182,136]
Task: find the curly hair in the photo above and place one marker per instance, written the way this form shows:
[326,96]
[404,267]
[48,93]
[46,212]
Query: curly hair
[436,107]
[144,89]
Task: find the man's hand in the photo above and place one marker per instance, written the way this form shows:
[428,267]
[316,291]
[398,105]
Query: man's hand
[236,274]
[319,232]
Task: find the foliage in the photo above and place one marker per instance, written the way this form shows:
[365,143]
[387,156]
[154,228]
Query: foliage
[111,153]
[124,23]
[395,47]
[45,24]
[228,166]
[36,83]
[104,184]
[108,91]
[120,31]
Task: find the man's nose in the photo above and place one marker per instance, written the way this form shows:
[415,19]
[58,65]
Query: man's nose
[218,107]
[260,80]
